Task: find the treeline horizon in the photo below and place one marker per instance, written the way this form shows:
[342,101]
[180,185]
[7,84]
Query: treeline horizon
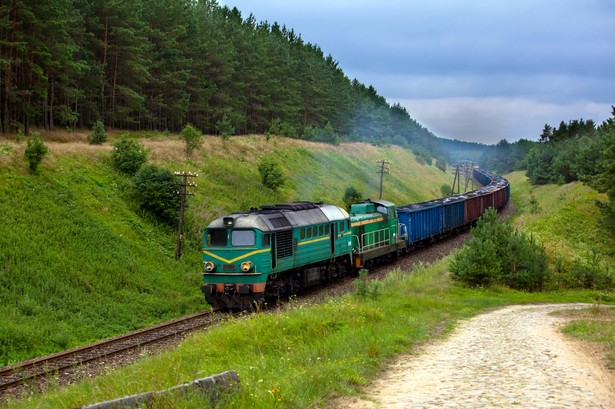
[577,150]
[159,65]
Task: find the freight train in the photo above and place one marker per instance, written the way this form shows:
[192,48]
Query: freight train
[278,250]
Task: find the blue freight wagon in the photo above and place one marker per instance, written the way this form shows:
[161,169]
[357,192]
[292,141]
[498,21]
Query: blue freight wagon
[453,213]
[421,220]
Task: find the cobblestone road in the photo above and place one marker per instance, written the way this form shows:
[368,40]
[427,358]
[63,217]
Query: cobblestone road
[515,357]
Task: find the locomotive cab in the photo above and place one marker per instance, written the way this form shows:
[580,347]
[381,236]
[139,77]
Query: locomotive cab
[376,232]
[235,253]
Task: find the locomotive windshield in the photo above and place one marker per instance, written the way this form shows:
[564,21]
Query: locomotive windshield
[243,238]
[217,238]
[238,238]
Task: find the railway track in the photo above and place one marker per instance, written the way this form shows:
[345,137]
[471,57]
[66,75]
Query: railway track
[16,375]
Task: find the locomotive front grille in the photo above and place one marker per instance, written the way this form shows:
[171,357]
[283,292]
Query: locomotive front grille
[229,267]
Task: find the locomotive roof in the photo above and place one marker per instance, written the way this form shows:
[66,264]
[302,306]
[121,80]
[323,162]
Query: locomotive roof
[278,217]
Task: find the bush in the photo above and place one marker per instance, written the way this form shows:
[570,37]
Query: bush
[98,135]
[352,195]
[35,151]
[326,134]
[498,254]
[225,127]
[128,156]
[279,127]
[192,137]
[367,289]
[446,190]
[593,274]
[156,192]
[271,173]
[475,264]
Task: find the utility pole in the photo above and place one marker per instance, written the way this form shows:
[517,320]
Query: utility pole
[469,174]
[382,169]
[183,192]
[456,180]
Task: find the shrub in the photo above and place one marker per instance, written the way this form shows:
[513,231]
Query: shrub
[592,274]
[326,134]
[155,191]
[271,173]
[192,137]
[423,156]
[446,190]
[35,151]
[128,156]
[352,195]
[365,289]
[476,264]
[279,127]
[225,127]
[98,135]
[497,254]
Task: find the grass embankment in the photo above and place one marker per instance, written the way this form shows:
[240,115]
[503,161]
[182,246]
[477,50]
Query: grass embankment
[78,261]
[564,218]
[303,356]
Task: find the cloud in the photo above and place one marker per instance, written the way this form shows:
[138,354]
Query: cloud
[510,67]
[489,120]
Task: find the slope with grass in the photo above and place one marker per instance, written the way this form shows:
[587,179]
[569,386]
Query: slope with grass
[78,261]
[565,219]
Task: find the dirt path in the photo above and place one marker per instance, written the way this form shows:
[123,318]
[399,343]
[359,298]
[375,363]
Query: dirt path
[515,357]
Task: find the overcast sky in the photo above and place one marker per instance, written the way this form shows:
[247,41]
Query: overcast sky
[475,70]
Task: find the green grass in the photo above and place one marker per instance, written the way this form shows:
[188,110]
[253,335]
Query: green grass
[77,264]
[564,218]
[78,261]
[595,325]
[307,354]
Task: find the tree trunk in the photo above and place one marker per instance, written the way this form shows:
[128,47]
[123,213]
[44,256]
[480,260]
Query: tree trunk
[104,64]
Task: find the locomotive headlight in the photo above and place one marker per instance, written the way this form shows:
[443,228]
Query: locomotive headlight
[246,266]
[209,266]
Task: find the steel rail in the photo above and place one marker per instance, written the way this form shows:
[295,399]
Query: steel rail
[15,375]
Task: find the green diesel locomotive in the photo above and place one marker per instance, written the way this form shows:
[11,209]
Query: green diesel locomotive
[278,250]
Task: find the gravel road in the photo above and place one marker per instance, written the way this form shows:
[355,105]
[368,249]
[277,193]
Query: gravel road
[514,357]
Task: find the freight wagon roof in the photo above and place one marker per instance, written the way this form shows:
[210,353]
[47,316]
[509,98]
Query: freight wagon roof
[273,218]
[419,206]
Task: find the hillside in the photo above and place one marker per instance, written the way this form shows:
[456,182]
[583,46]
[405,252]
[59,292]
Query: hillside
[79,262]
[566,220]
